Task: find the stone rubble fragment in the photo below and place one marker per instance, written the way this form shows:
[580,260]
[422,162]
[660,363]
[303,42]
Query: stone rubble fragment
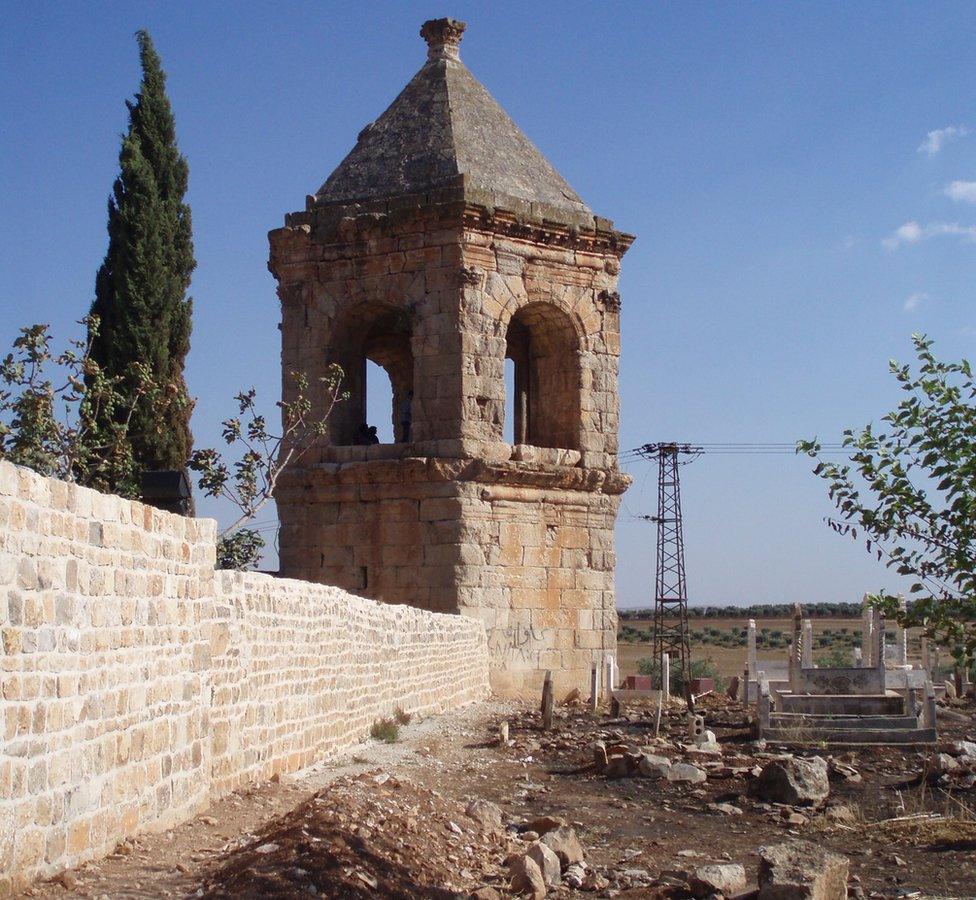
[686,773]
[565,844]
[485,813]
[724,878]
[547,861]
[800,870]
[793,780]
[527,879]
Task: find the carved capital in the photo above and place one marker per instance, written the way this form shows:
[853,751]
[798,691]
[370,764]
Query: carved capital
[470,275]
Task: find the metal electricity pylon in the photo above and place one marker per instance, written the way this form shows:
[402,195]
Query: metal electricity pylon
[670,633]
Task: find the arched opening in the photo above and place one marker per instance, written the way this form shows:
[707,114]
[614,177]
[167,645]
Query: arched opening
[373,347]
[380,409]
[508,434]
[543,347]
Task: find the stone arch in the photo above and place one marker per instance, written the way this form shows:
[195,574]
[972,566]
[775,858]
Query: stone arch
[544,342]
[382,334]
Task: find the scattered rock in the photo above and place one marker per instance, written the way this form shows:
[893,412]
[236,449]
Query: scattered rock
[843,771]
[793,780]
[564,843]
[654,766]
[266,848]
[574,696]
[799,870]
[485,893]
[725,878]
[575,875]
[545,824]
[527,877]
[845,815]
[732,691]
[964,748]
[68,880]
[485,813]
[594,881]
[600,759]
[621,767]
[547,861]
[795,818]
[727,809]
[685,772]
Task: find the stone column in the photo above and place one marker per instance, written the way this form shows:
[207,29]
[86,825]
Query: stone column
[795,650]
[867,635]
[858,659]
[901,653]
[610,677]
[879,641]
[807,646]
[752,660]
[926,659]
[762,703]
[665,677]
[751,648]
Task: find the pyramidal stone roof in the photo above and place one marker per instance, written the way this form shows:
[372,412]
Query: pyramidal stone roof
[445,124]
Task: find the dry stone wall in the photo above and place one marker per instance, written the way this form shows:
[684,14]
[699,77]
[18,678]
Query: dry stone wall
[301,670]
[136,683]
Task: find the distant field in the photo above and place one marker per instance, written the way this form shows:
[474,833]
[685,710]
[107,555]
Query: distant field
[731,660]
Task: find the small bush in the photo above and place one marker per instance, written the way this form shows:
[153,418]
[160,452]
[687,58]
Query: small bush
[837,657]
[385,730]
[401,716]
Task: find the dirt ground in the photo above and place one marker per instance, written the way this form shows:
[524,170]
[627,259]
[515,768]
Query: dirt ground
[389,820]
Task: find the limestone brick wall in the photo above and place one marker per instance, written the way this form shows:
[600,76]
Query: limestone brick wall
[302,670]
[527,549]
[136,683]
[105,685]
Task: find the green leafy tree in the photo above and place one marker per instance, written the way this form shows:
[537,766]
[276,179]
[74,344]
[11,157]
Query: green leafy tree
[140,290]
[72,424]
[249,482]
[909,493]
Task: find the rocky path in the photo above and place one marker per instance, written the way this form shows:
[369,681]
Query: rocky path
[649,817]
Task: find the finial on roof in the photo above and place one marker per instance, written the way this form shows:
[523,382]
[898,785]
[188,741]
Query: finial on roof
[443,37]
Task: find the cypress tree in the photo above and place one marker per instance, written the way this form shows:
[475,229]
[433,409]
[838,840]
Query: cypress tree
[140,289]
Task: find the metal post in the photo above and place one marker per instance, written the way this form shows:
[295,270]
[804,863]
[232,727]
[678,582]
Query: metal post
[670,588]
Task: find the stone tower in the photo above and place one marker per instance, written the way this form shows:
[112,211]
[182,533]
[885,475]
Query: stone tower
[442,246]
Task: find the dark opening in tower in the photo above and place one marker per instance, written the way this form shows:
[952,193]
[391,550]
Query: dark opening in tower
[544,408]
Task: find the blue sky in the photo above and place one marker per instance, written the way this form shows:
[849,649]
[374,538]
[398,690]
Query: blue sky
[801,179]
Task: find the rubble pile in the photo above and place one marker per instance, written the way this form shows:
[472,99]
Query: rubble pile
[367,836]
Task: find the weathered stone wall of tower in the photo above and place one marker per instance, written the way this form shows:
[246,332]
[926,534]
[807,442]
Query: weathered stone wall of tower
[459,520]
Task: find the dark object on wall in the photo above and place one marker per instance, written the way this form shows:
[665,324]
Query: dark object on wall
[167,489]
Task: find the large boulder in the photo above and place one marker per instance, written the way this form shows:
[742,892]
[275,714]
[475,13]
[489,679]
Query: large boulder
[793,780]
[799,870]
[548,863]
[527,878]
[719,878]
[654,766]
[564,843]
[485,813]
[685,772]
